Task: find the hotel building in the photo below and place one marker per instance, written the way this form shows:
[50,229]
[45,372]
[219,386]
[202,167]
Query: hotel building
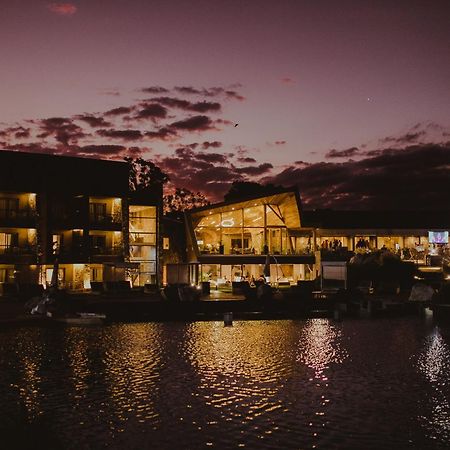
[80,212]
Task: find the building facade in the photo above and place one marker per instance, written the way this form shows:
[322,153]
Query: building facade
[77,212]
[232,241]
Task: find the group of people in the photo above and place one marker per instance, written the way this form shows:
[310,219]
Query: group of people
[362,243]
[252,280]
[334,245]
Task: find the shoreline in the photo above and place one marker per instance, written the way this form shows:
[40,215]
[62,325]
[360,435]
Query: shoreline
[149,309]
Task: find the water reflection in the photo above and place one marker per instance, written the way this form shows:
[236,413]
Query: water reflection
[241,371]
[29,381]
[434,363]
[131,369]
[319,346]
[286,384]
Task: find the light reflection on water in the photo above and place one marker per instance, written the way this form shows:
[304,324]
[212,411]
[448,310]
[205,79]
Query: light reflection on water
[274,384]
[434,363]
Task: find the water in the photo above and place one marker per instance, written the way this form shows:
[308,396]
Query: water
[358,384]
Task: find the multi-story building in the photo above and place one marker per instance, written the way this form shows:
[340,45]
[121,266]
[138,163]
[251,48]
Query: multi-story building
[79,212]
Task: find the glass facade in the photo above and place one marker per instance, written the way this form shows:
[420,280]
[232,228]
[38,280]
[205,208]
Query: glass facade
[250,230]
[143,229]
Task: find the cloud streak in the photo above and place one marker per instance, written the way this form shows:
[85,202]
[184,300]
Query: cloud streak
[62,9]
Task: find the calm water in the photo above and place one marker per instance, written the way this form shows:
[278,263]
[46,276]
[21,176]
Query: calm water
[358,384]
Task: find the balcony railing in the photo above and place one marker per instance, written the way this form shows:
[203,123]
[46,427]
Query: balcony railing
[246,252]
[105,219]
[23,213]
[11,251]
[106,251]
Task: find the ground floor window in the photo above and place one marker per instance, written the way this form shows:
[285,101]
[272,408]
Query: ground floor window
[6,275]
[222,276]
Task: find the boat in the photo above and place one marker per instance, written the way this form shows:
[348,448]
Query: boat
[79,319]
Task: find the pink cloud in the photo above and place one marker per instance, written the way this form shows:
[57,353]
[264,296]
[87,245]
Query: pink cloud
[62,9]
[287,80]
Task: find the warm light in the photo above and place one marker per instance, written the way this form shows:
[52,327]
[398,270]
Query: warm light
[228,222]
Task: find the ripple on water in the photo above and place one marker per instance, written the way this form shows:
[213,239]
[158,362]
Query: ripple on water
[277,384]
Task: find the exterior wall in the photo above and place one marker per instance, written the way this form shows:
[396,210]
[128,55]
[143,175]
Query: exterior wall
[221,239]
[72,214]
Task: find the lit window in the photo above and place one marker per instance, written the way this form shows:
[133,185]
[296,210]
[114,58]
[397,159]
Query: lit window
[166,243]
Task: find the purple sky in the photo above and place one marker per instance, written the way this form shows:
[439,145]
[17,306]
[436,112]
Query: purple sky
[311,85]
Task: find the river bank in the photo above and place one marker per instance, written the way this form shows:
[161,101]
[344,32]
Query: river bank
[146,308]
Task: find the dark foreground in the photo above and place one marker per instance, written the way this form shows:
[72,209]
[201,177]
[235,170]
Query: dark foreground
[355,384]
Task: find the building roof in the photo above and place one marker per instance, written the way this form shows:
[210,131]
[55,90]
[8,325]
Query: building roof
[37,172]
[287,201]
[330,219]
[246,200]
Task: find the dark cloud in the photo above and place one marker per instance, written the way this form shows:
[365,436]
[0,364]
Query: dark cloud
[189,90]
[162,133]
[224,122]
[195,123]
[210,92]
[416,177]
[120,111]
[407,138]
[213,144]
[203,107]
[210,173]
[62,129]
[212,157]
[126,135]
[186,105]
[246,160]
[93,121]
[347,153]
[18,132]
[151,111]
[155,90]
[280,142]
[255,170]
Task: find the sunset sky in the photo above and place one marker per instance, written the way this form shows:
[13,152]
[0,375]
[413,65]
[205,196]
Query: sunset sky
[349,100]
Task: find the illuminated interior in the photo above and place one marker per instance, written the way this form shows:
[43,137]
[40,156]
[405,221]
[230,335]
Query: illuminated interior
[266,225]
[143,229]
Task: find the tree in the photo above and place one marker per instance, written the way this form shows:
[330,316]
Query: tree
[242,189]
[182,200]
[144,175]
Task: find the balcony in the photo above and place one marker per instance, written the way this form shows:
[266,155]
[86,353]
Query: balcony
[74,254]
[17,217]
[105,254]
[13,254]
[105,221]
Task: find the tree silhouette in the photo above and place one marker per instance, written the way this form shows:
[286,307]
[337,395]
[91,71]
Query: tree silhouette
[183,199]
[144,175]
[242,189]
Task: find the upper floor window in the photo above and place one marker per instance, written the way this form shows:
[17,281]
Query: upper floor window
[9,207]
[97,212]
